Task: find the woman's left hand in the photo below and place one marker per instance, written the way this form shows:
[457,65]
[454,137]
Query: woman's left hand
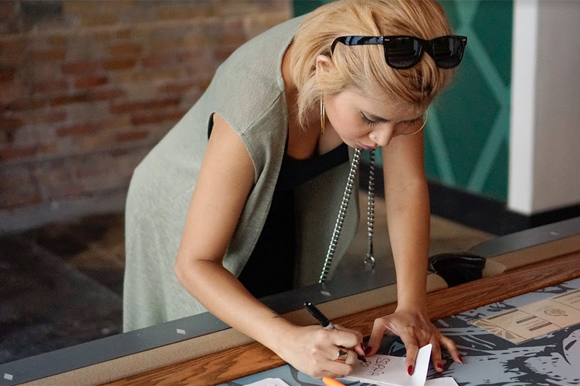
[415,330]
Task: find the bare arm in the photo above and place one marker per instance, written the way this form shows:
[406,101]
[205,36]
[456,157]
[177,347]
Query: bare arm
[223,185]
[407,204]
[408,218]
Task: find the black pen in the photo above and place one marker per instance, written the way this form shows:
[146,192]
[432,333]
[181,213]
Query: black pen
[319,316]
[324,322]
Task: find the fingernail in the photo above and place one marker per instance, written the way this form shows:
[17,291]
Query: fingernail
[460,359]
[362,347]
[368,350]
[439,366]
[410,370]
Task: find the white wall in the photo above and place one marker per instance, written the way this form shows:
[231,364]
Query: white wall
[544,165]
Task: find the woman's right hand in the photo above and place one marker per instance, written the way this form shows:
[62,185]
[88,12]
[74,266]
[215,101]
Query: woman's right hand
[314,350]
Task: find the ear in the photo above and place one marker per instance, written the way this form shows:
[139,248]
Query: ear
[323,64]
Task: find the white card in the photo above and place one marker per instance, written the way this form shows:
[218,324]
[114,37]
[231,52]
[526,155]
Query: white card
[390,370]
[269,382]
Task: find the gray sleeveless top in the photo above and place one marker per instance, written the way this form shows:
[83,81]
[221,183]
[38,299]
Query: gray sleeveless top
[248,92]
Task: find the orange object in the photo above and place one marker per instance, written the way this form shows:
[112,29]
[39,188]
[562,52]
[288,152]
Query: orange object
[331,382]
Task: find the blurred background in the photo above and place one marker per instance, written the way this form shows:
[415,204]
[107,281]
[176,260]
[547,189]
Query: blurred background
[87,88]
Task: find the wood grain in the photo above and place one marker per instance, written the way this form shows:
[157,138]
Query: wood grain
[252,358]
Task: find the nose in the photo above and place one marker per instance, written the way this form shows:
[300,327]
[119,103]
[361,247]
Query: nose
[382,136]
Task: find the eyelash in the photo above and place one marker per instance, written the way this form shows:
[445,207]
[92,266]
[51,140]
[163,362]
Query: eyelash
[368,121]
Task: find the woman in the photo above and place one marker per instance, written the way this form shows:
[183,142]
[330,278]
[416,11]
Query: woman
[247,184]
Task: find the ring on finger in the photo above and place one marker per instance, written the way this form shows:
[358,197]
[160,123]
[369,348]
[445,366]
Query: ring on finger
[341,355]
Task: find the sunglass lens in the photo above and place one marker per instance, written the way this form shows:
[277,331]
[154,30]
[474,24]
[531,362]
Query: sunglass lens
[403,52]
[447,51]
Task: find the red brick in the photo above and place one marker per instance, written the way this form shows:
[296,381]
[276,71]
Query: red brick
[222,53]
[177,88]
[157,60]
[167,45]
[204,82]
[236,39]
[60,192]
[15,176]
[12,91]
[76,130]
[116,123]
[93,20]
[93,142]
[58,40]
[201,40]
[201,9]
[11,153]
[7,8]
[51,172]
[20,198]
[12,45]
[132,136]
[125,49]
[110,94]
[48,148]
[7,74]
[91,81]
[69,99]
[119,152]
[144,119]
[124,33]
[103,36]
[50,86]
[82,67]
[12,59]
[43,117]
[119,64]
[129,107]
[55,54]
[26,104]
[10,123]
[76,7]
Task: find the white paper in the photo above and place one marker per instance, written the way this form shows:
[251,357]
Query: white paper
[390,370]
[269,382]
[445,381]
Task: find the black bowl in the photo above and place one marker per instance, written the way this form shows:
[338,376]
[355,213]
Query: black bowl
[457,268]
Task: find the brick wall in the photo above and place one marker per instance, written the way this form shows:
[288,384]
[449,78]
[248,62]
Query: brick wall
[88,87]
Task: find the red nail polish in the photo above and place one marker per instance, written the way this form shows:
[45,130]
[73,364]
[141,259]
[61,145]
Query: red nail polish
[410,370]
[362,347]
[439,366]
[368,350]
[460,359]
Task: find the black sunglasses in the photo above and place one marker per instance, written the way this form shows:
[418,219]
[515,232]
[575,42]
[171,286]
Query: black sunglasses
[403,52]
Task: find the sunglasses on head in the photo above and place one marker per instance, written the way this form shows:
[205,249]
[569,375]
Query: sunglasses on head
[403,52]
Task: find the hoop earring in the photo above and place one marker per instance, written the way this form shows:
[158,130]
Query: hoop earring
[422,126]
[322,116]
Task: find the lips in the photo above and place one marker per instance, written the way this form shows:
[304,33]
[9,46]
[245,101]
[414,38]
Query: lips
[366,147]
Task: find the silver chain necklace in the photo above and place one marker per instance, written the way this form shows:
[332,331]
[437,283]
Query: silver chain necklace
[369,260]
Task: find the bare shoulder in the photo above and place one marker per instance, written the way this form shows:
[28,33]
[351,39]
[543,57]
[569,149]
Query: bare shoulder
[403,160]
[226,149]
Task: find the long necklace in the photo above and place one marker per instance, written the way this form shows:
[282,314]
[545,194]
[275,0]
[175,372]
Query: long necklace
[369,260]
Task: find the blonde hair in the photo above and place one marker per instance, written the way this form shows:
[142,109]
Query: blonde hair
[363,67]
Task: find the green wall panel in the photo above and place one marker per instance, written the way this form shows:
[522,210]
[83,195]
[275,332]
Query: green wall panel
[466,137]
[304,6]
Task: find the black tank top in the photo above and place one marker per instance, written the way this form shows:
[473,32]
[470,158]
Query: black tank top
[270,268]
